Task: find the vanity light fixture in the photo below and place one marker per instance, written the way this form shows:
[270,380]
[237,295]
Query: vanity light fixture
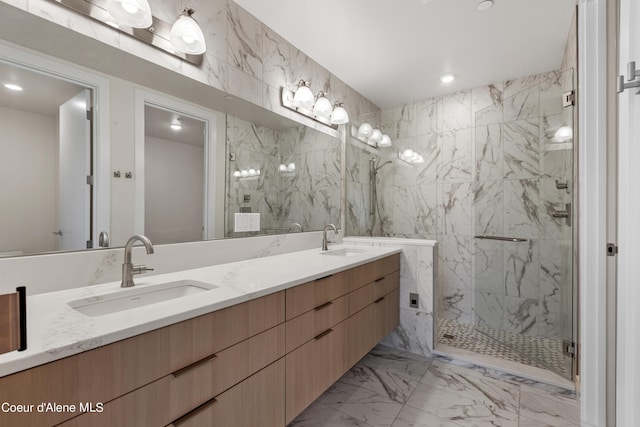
[563,134]
[371,136]
[386,141]
[186,35]
[13,87]
[447,78]
[303,98]
[303,102]
[247,174]
[364,131]
[291,167]
[322,106]
[132,13]
[485,5]
[411,157]
[339,116]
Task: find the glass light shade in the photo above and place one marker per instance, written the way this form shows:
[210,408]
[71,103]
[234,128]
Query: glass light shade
[244,173]
[291,167]
[282,168]
[186,35]
[563,134]
[376,137]
[252,172]
[339,116]
[364,131]
[132,13]
[303,98]
[237,174]
[322,107]
[385,142]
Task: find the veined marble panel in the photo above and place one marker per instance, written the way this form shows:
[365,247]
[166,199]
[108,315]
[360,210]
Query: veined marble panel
[521,213]
[244,86]
[487,105]
[408,275]
[521,145]
[520,315]
[489,153]
[455,202]
[522,105]
[455,255]
[550,93]
[521,269]
[400,122]
[404,211]
[213,71]
[489,266]
[244,41]
[275,54]
[319,415]
[427,146]
[555,269]
[516,86]
[489,208]
[489,310]
[456,111]
[427,271]
[414,334]
[555,411]
[551,320]
[556,159]
[426,210]
[456,304]
[426,119]
[455,151]
[357,209]
[212,18]
[405,175]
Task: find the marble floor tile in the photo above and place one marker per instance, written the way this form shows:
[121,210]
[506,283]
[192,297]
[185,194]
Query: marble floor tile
[387,382]
[549,409]
[319,415]
[412,417]
[365,405]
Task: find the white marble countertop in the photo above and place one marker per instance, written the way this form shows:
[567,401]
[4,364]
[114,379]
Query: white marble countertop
[55,330]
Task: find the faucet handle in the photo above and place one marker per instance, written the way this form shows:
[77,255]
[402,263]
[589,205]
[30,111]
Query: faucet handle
[139,269]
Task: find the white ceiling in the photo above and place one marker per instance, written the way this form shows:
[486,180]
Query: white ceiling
[394,51]
[158,121]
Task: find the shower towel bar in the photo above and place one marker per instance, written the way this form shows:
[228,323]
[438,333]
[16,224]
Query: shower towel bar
[505,239]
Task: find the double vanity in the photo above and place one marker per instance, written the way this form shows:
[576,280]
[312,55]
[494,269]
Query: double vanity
[249,343]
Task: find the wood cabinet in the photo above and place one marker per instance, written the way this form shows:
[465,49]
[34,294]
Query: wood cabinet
[258,363]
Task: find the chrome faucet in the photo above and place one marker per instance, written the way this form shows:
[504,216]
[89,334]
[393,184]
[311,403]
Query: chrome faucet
[324,235]
[128,269]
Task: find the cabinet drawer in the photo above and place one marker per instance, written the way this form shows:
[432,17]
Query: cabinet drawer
[257,401]
[362,333]
[314,367]
[196,384]
[312,323]
[303,298]
[368,273]
[362,297]
[386,315]
[175,395]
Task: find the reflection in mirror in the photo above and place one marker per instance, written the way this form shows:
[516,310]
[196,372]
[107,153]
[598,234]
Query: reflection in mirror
[175,169]
[47,203]
[174,176]
[281,179]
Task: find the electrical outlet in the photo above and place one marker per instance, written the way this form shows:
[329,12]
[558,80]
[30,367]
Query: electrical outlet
[247,198]
[414,300]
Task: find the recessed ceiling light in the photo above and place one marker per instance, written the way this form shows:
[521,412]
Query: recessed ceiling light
[484,5]
[12,86]
[447,78]
[176,126]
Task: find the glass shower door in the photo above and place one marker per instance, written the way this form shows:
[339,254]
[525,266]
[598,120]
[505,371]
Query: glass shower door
[523,204]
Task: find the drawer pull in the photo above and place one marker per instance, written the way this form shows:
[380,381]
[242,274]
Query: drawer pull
[325,305]
[378,300]
[322,278]
[193,412]
[379,280]
[322,335]
[181,371]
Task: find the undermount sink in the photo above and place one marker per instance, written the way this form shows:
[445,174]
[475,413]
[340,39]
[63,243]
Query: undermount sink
[344,252]
[128,299]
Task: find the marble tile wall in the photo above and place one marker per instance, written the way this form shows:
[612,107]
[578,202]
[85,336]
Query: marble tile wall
[491,167]
[305,196]
[244,57]
[418,263]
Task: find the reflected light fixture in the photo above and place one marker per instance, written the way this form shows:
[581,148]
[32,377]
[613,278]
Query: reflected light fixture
[364,131]
[186,35]
[322,107]
[410,156]
[375,138]
[339,116]
[132,13]
[485,5]
[447,78]
[12,86]
[176,126]
[563,134]
[385,142]
[303,98]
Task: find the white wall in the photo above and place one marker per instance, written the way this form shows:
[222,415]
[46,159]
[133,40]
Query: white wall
[28,215]
[174,191]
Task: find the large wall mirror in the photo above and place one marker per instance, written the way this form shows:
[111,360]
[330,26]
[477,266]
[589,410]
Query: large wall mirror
[237,170]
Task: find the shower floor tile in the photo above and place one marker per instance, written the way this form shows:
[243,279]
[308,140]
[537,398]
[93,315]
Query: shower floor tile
[533,351]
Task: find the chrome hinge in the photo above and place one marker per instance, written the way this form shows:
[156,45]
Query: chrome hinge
[568,98]
[89,244]
[612,249]
[568,348]
[90,180]
[90,114]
